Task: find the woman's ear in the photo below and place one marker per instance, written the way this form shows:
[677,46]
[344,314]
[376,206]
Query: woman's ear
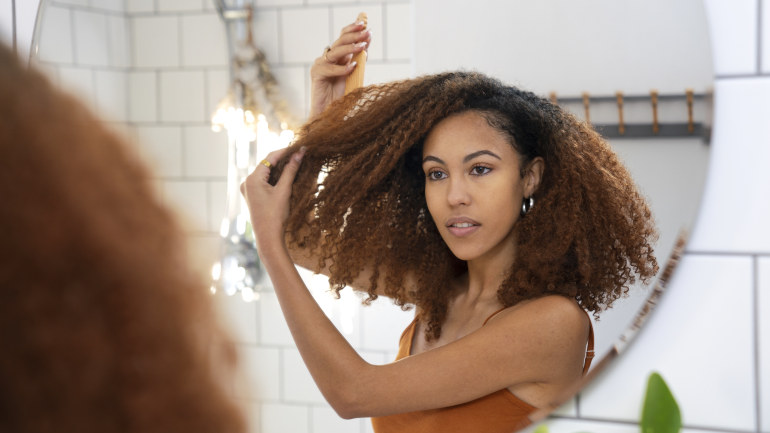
[533,174]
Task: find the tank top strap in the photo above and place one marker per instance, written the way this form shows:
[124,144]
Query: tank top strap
[493,315]
[590,346]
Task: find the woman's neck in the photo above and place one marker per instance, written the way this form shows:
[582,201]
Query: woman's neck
[486,274]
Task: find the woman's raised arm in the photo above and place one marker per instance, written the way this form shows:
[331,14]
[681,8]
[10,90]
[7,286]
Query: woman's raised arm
[328,73]
[327,79]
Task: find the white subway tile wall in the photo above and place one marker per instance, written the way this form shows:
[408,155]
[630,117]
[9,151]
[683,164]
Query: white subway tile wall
[110,5]
[162,148]
[91,45]
[240,317]
[111,94]
[762,313]
[298,385]
[56,36]
[285,418]
[190,198]
[182,96]
[155,41]
[217,201]
[262,368]
[119,43]
[733,174]
[6,22]
[179,5]
[143,103]
[715,354]
[79,81]
[398,37]
[205,153]
[204,41]
[134,6]
[304,32]
[324,419]
[735,50]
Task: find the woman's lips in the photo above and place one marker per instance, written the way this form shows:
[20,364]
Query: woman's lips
[461,227]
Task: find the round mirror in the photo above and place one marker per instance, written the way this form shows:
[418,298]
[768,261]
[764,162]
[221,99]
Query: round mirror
[639,71]
[627,67]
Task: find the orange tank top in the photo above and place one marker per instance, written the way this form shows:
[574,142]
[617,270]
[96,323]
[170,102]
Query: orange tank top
[500,411]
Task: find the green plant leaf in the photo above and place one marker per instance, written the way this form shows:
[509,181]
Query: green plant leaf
[542,428]
[660,413]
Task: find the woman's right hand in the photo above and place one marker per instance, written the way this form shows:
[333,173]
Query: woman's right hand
[327,76]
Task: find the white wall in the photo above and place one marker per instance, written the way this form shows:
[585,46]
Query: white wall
[710,337]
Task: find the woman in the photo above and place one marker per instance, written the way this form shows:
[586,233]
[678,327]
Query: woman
[103,325]
[502,218]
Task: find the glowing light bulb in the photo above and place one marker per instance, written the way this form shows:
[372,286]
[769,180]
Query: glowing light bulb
[248,295]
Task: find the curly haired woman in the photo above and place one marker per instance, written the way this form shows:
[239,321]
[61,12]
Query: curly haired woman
[103,326]
[500,217]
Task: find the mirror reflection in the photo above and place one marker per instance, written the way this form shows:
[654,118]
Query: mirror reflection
[130,77]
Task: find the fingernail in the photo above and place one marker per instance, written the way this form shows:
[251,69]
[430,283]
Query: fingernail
[352,64]
[298,156]
[361,44]
[360,23]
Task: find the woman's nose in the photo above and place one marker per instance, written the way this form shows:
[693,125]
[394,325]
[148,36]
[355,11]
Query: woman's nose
[458,194]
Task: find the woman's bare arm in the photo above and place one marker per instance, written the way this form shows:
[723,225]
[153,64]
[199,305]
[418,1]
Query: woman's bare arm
[541,341]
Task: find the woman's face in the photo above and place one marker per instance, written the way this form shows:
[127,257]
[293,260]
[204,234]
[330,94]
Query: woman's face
[473,185]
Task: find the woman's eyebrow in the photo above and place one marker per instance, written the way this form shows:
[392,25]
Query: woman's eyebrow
[432,158]
[466,159]
[479,153]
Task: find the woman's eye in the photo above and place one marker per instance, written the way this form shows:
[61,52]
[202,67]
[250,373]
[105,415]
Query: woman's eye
[436,175]
[480,170]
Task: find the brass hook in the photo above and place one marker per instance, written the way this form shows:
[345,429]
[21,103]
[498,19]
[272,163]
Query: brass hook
[654,99]
[586,104]
[554,100]
[690,123]
[621,126]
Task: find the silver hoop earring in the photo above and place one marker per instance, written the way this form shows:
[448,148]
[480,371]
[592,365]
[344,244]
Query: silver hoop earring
[526,205]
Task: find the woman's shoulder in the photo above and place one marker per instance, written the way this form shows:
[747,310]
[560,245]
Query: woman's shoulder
[547,314]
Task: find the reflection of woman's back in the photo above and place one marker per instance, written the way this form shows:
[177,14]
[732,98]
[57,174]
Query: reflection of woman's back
[103,328]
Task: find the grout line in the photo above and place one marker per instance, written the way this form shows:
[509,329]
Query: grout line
[75,58]
[13,27]
[739,76]
[384,15]
[757,371]
[577,404]
[759,36]
[279,35]
[180,42]
[726,253]
[158,82]
[281,375]
[310,423]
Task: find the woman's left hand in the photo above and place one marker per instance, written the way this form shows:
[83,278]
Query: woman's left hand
[268,204]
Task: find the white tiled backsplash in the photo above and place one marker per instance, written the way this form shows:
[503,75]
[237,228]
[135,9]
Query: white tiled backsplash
[710,337]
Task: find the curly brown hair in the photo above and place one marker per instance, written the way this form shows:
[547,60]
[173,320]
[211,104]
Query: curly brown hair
[588,237]
[103,326]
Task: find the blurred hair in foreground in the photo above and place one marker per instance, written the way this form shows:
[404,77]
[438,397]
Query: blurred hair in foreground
[103,325]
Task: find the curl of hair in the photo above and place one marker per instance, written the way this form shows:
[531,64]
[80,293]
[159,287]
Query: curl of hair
[103,325]
[588,237]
